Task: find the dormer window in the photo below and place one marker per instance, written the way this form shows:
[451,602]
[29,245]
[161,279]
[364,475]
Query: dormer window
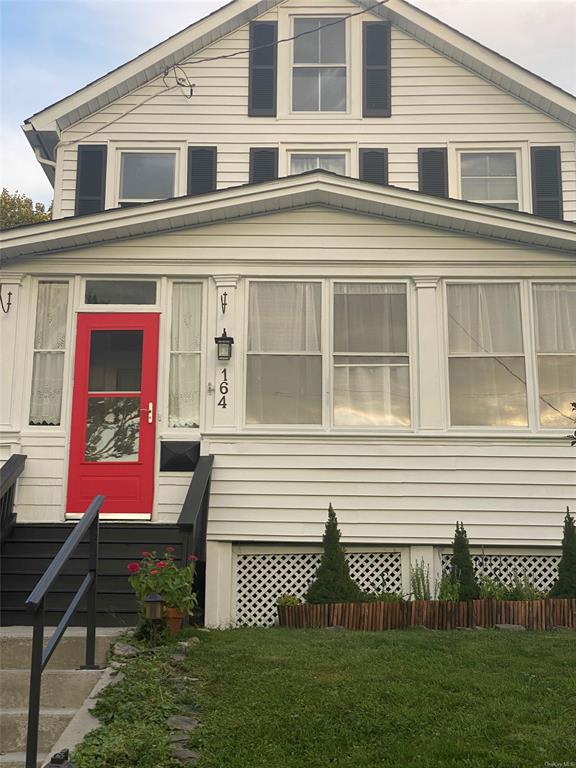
[146,176]
[319,72]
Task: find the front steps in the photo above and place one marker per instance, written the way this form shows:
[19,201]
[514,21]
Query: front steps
[32,546]
[64,688]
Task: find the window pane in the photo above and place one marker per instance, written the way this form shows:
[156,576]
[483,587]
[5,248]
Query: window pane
[186,317]
[306,90]
[115,361]
[557,389]
[333,90]
[284,317]
[51,314]
[306,47]
[332,42]
[120,292]
[555,307]
[488,392]
[473,165]
[184,405]
[47,377]
[502,189]
[284,389]
[333,163]
[484,319]
[370,318]
[147,175]
[113,429]
[371,396]
[502,164]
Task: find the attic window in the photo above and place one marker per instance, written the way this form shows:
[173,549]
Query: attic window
[146,176]
[319,74]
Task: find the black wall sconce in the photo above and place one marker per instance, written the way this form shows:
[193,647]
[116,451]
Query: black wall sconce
[224,344]
[6,308]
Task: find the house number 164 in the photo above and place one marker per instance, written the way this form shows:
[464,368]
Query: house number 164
[223,389]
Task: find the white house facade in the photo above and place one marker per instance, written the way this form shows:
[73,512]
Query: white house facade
[381,213]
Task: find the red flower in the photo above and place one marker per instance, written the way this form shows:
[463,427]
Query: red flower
[160,564]
[154,572]
[146,554]
[133,567]
[192,558]
[170,549]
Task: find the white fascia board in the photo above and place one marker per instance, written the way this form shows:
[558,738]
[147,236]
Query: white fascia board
[315,188]
[148,65]
[504,73]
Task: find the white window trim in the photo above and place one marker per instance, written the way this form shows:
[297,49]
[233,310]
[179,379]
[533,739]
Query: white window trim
[115,164]
[521,149]
[350,152]
[353,64]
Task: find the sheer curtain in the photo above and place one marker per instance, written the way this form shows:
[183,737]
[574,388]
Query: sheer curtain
[303,163]
[371,364]
[184,396]
[555,310]
[487,368]
[284,376]
[49,349]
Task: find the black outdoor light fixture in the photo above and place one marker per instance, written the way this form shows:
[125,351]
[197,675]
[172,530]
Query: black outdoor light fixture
[224,344]
[153,607]
[6,308]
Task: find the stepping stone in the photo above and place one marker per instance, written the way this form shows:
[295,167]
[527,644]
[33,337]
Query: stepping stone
[186,756]
[182,723]
[510,627]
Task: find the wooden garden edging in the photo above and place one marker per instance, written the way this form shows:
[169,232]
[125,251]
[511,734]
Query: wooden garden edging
[432,614]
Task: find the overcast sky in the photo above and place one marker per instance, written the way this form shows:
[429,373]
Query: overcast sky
[50,48]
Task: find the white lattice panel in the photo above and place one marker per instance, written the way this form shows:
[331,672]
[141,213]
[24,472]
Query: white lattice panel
[542,570]
[262,578]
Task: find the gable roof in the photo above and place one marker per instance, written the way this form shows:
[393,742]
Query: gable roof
[311,188]
[43,129]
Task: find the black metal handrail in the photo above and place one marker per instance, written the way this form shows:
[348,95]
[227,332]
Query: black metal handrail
[9,473]
[193,519]
[89,524]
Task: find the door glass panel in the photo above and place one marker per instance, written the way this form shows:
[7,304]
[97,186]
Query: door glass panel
[112,429]
[115,361]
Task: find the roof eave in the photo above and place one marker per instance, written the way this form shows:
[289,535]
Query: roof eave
[315,188]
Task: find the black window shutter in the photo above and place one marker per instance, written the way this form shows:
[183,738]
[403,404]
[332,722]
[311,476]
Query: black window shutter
[374,165]
[546,182]
[91,179]
[263,66]
[201,170]
[376,67]
[433,171]
[263,164]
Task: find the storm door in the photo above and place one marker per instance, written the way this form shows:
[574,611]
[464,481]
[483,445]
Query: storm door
[114,413]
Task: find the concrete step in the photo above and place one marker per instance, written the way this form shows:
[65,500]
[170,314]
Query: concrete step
[18,759]
[14,723]
[16,647]
[60,687]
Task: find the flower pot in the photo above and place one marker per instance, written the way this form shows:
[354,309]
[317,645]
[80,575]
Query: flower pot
[174,619]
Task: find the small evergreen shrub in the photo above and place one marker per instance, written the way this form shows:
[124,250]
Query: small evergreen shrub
[462,567]
[333,583]
[565,585]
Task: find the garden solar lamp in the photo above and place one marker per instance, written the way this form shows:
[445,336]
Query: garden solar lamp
[224,344]
[153,607]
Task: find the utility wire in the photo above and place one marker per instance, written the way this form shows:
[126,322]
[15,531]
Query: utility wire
[192,61]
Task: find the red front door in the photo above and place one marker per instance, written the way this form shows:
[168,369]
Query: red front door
[114,413]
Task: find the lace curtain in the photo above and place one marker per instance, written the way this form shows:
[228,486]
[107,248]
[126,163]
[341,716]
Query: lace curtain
[49,346]
[184,397]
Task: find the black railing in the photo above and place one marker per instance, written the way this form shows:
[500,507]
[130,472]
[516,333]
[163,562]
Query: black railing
[9,473]
[193,519]
[36,603]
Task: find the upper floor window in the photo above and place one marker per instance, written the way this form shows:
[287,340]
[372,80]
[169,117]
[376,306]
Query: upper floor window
[490,178]
[300,163]
[319,73]
[146,176]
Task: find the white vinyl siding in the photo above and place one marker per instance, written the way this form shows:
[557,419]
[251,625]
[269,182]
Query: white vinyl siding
[436,102]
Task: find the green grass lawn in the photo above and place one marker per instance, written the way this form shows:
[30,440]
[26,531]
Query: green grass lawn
[308,699]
